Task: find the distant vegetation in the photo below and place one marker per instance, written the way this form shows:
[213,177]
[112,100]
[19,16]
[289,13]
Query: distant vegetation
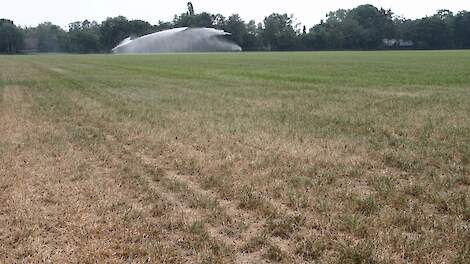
[362,28]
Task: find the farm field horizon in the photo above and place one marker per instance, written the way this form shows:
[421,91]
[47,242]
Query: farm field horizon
[292,157]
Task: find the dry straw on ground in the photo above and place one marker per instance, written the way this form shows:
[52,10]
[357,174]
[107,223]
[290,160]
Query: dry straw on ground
[240,158]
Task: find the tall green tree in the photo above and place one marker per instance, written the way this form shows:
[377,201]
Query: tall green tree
[162,25]
[374,25]
[190,9]
[218,21]
[203,19]
[237,28]
[431,33]
[462,29]
[83,37]
[138,28]
[252,41]
[363,27]
[336,32]
[279,34]
[49,37]
[11,38]
[113,30]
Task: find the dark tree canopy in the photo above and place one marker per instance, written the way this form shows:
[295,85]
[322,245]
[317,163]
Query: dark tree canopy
[113,31]
[365,27]
[279,33]
[49,37]
[83,37]
[236,26]
[11,38]
[462,30]
[199,20]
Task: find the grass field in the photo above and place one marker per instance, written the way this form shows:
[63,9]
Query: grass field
[341,157]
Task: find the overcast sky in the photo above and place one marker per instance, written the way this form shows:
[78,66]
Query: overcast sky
[307,12]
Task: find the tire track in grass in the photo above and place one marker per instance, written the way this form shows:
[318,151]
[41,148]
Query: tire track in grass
[117,154]
[48,187]
[256,226]
[227,207]
[162,185]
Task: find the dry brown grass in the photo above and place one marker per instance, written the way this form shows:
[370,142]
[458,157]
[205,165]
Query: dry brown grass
[105,161]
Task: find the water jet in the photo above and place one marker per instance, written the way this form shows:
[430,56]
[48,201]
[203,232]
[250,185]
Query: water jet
[179,40]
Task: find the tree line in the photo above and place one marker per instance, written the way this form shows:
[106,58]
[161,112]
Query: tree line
[362,28]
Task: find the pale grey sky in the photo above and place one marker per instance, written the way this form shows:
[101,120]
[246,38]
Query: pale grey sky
[307,12]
